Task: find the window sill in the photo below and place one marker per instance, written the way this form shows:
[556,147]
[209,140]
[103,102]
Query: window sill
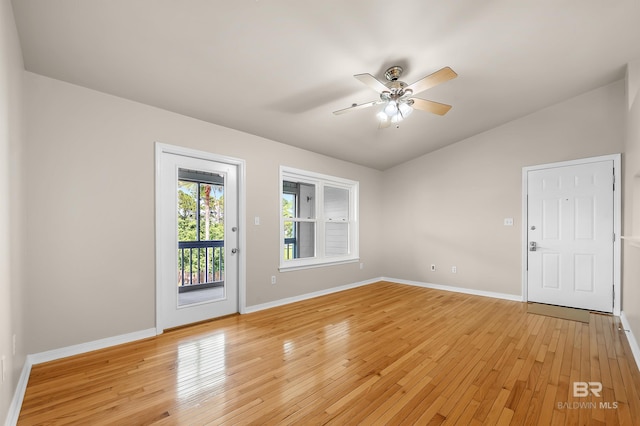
[298,267]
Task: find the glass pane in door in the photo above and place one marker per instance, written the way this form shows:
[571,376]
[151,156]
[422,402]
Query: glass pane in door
[200,237]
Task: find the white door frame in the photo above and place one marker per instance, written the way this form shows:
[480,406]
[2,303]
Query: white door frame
[617,219]
[161,148]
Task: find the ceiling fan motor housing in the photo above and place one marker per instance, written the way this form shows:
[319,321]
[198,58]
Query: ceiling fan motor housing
[396,87]
[393,73]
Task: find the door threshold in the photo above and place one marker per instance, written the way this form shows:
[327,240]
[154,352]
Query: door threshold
[562,312]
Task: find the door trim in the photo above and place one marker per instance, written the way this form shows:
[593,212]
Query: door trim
[617,220]
[162,148]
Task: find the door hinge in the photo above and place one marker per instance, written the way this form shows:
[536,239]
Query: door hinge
[614,180]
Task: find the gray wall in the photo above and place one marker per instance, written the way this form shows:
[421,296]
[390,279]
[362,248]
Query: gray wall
[11,140]
[631,269]
[449,206]
[91,228]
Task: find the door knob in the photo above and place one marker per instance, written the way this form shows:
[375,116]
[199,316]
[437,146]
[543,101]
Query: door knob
[234,250]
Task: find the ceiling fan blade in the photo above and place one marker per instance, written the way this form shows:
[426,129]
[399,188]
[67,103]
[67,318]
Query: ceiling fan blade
[440,76]
[430,106]
[356,107]
[372,82]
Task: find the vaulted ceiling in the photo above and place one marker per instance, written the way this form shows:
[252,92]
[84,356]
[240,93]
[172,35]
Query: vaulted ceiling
[278,68]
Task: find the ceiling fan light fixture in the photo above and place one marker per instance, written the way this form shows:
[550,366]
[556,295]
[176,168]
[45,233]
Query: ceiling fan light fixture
[382,117]
[391,108]
[397,118]
[395,111]
[405,109]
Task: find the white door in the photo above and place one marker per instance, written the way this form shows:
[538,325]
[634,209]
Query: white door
[197,240]
[570,229]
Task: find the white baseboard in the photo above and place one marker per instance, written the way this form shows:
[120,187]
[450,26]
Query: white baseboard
[90,346]
[38,358]
[631,338]
[505,296]
[18,395]
[286,301]
[16,404]
[293,299]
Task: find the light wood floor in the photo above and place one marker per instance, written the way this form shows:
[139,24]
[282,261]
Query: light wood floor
[380,354]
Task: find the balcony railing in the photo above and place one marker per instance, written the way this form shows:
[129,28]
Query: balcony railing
[200,264]
[290,248]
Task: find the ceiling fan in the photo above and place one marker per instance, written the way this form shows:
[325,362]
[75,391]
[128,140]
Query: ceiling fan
[397,96]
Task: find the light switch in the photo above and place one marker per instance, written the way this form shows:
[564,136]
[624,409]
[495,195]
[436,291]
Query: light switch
[256,220]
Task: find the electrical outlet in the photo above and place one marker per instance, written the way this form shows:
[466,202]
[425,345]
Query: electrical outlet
[454,270]
[361,265]
[273,279]
[433,268]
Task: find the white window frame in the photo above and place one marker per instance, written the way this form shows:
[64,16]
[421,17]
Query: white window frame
[320,181]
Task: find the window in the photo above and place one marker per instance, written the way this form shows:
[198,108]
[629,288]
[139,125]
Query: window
[319,223]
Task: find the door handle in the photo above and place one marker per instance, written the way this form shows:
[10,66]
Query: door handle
[234,250]
[533,246]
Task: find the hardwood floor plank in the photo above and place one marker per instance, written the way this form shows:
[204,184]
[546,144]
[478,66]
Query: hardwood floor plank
[380,354]
[459,405]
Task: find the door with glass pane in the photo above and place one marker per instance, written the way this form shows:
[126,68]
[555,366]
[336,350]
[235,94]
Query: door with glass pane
[198,240]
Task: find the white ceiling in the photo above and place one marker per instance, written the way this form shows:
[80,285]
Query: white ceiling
[278,68]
